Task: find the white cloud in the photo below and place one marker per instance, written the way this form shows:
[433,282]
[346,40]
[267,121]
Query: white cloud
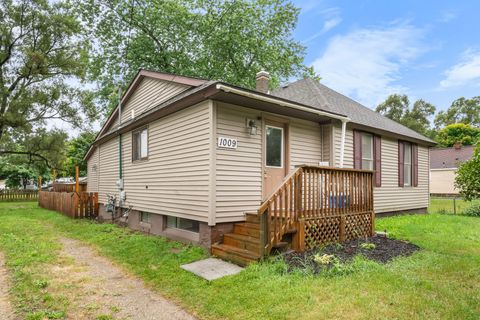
[327,26]
[366,63]
[465,72]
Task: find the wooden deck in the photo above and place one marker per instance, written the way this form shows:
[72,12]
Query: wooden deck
[313,206]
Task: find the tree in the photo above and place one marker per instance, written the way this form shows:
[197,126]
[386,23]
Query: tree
[397,108]
[458,133]
[41,51]
[467,177]
[461,111]
[76,150]
[213,39]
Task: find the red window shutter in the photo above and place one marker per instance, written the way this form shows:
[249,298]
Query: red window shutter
[377,153]
[415,165]
[357,149]
[400,163]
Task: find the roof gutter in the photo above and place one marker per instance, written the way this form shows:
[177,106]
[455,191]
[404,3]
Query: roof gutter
[252,95]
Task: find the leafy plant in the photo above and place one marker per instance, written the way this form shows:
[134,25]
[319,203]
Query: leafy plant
[325,259]
[473,210]
[368,246]
[467,177]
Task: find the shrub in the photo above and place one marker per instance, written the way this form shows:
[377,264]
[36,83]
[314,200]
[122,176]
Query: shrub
[473,210]
[368,246]
[324,259]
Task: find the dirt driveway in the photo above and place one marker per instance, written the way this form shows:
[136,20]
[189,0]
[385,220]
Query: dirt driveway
[6,309]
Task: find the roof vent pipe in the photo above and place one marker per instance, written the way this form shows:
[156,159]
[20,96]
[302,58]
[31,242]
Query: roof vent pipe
[263,80]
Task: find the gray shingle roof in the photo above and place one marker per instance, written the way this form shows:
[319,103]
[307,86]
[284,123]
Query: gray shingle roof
[450,157]
[310,92]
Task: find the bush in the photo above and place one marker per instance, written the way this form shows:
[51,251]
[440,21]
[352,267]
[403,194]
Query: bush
[473,210]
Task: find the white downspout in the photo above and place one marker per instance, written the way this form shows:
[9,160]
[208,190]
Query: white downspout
[342,143]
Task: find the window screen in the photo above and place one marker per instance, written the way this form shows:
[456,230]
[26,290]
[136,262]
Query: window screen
[140,144]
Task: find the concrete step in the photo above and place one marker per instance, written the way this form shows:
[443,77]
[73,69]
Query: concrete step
[242,242]
[233,254]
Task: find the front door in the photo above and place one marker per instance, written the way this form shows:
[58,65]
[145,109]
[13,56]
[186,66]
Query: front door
[275,157]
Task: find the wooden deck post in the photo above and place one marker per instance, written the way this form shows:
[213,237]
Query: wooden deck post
[298,240]
[263,233]
[76,178]
[342,228]
[40,183]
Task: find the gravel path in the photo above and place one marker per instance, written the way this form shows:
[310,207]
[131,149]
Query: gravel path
[6,309]
[103,288]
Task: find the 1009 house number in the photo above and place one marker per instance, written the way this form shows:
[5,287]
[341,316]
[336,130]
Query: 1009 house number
[227,143]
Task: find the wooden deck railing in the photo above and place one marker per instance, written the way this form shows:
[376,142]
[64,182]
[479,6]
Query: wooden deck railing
[74,205]
[18,195]
[323,204]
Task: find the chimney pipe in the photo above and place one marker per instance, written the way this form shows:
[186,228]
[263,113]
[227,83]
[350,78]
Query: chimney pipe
[263,79]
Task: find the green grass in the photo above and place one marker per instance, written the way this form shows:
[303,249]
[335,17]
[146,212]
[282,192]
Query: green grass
[442,281]
[446,205]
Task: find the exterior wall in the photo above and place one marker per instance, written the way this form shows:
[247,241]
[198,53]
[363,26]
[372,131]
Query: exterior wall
[175,179]
[108,169]
[390,197]
[150,93]
[442,181]
[93,170]
[239,174]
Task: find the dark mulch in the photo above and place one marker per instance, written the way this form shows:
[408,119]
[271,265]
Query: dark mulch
[385,250]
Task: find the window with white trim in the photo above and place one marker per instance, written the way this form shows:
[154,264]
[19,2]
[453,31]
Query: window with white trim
[140,144]
[367,151]
[407,164]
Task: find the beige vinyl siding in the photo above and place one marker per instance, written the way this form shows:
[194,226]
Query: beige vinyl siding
[326,143]
[442,181]
[305,143]
[150,93]
[348,153]
[177,170]
[109,169]
[389,197]
[93,170]
[239,172]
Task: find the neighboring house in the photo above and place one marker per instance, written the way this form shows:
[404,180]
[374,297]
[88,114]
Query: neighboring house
[443,165]
[195,155]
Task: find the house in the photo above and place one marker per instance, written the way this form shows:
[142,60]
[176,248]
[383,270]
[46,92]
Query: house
[190,158]
[443,165]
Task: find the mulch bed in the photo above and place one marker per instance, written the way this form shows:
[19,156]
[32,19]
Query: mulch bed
[385,250]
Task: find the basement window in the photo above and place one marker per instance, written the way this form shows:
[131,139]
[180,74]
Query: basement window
[140,144]
[145,217]
[183,224]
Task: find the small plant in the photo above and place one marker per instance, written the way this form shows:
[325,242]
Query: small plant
[473,210]
[324,259]
[367,246]
[442,211]
[40,283]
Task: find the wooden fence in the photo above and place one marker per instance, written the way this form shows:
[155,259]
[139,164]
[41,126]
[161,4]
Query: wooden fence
[68,187]
[71,204]
[18,195]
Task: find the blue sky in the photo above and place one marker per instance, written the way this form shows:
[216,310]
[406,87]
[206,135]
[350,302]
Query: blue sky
[369,49]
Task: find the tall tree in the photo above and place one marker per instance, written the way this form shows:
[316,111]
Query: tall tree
[458,133]
[41,51]
[213,39]
[461,111]
[76,150]
[466,178]
[397,108]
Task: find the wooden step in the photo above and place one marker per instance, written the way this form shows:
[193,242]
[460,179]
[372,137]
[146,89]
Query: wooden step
[252,217]
[247,229]
[242,242]
[236,255]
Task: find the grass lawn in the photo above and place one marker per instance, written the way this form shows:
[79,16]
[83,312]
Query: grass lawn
[446,205]
[441,281]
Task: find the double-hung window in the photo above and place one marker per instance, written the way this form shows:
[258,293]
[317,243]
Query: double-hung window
[140,144]
[407,164]
[367,151]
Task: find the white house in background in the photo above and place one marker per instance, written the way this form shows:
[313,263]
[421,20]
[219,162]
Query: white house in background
[443,165]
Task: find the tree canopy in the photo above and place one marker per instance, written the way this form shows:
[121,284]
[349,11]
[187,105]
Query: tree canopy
[42,55]
[458,133]
[467,177]
[397,107]
[462,110]
[76,150]
[213,39]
